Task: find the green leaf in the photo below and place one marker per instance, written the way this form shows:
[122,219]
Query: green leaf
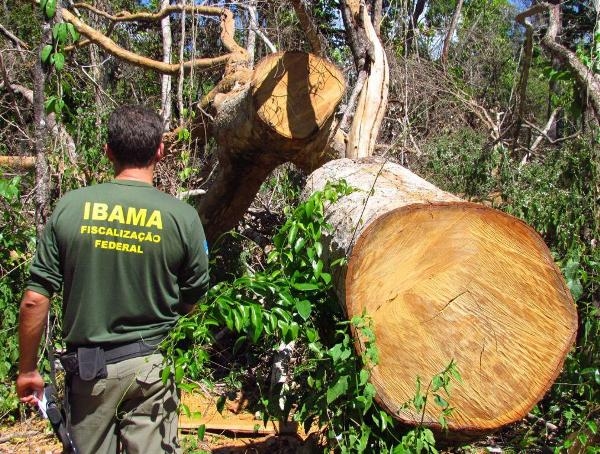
[183,134]
[440,401]
[50,9]
[309,207]
[300,242]
[583,438]
[178,374]
[319,249]
[238,344]
[185,409]
[304,308]
[437,382]
[311,334]
[428,436]
[256,321]
[317,267]
[49,104]
[45,54]
[305,286]
[227,315]
[165,374]
[59,61]
[283,327]
[201,432]
[575,287]
[294,330]
[293,233]
[221,403]
[363,377]
[237,320]
[73,32]
[282,313]
[340,388]
[60,32]
[58,106]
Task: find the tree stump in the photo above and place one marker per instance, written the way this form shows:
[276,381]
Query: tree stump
[443,279]
[283,114]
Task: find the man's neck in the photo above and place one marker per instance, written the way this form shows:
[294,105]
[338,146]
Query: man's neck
[144,174]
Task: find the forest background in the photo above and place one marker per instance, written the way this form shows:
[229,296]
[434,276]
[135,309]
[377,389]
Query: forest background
[468,109]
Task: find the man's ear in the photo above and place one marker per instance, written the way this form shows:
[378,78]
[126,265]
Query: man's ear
[109,153]
[160,152]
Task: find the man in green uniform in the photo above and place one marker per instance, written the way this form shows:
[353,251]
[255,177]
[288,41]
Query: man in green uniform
[131,260]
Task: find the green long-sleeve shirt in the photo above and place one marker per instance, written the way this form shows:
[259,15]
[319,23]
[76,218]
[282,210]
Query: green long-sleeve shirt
[126,255]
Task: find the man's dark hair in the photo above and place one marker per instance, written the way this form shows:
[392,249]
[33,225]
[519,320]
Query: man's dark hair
[134,134]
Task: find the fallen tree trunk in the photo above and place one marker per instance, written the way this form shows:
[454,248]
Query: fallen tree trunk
[443,279]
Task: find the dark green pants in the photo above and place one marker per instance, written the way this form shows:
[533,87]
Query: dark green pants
[131,407]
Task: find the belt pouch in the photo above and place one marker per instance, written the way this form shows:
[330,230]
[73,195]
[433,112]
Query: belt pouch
[92,363]
[69,363]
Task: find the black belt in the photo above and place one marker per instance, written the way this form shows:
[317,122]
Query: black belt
[90,362]
[122,352]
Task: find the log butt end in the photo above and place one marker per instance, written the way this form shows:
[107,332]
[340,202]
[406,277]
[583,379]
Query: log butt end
[459,281]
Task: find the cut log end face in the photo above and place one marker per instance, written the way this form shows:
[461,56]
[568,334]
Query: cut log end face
[458,281]
[295,93]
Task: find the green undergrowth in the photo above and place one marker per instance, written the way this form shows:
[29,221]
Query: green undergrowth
[287,314]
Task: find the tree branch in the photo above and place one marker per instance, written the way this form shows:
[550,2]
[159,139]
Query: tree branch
[236,57]
[583,75]
[317,43]
[51,125]
[450,33]
[13,38]
[255,28]
[7,83]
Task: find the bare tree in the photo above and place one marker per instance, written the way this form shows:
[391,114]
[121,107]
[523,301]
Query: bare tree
[166,79]
[450,33]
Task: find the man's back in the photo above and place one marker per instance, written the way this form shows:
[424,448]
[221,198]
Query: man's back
[127,254]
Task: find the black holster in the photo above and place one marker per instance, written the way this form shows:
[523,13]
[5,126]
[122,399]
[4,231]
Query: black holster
[57,419]
[87,362]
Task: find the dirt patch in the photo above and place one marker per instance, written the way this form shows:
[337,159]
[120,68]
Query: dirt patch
[32,436]
[35,436]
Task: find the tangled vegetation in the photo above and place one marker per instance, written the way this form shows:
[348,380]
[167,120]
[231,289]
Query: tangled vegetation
[454,124]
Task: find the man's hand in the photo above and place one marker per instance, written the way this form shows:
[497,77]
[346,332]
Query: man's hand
[30,387]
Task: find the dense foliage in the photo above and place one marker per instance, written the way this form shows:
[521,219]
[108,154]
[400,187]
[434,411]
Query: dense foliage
[453,124]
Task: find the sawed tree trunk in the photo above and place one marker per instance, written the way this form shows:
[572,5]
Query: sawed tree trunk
[443,279]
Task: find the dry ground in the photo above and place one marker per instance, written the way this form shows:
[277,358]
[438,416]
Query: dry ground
[34,436]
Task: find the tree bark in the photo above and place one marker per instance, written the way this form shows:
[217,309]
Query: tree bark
[251,40]
[315,39]
[419,7]
[52,126]
[42,171]
[288,103]
[443,279]
[371,59]
[234,59]
[521,92]
[450,33]
[166,79]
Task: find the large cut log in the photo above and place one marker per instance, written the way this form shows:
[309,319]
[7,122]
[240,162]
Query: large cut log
[283,114]
[443,279]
